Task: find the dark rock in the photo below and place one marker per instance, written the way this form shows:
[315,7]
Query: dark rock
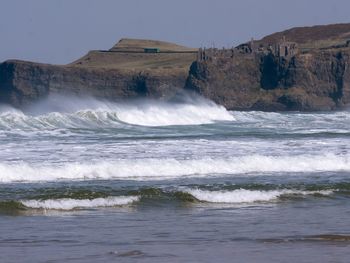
[123,72]
[317,80]
[24,82]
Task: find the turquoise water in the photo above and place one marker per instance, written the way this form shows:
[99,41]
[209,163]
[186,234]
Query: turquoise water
[83,180]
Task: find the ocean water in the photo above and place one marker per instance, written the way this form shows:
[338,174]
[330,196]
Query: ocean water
[83,180]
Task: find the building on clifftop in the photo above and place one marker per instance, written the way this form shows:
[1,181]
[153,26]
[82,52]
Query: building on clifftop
[286,49]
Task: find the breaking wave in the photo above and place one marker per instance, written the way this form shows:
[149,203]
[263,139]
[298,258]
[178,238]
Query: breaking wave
[167,168]
[69,204]
[142,196]
[248,196]
[59,112]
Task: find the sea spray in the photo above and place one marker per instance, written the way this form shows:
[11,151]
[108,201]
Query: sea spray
[59,112]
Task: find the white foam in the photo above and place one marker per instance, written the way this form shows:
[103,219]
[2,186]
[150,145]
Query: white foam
[157,169]
[299,123]
[247,196]
[91,113]
[158,114]
[69,204]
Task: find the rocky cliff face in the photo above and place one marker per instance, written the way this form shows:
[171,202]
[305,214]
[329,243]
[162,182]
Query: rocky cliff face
[318,80]
[125,71]
[24,82]
[298,69]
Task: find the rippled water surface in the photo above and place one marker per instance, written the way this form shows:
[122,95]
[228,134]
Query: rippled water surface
[83,180]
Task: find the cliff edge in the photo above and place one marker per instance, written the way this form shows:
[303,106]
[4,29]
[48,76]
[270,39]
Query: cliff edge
[132,68]
[302,69]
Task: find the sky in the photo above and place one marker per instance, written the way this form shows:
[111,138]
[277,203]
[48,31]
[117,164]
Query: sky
[61,31]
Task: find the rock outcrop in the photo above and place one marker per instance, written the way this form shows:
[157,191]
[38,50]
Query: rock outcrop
[278,75]
[123,72]
[263,81]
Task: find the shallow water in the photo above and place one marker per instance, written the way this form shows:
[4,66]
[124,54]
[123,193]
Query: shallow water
[83,180]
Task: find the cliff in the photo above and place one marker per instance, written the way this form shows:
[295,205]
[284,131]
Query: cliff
[125,71]
[297,69]
[311,81]
[277,73]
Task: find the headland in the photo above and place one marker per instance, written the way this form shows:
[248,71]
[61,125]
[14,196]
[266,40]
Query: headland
[302,69]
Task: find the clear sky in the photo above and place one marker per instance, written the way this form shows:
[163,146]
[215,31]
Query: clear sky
[60,31]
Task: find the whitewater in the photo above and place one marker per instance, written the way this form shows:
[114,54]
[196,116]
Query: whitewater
[185,175]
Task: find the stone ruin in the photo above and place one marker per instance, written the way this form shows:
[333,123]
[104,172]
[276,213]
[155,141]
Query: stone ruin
[214,53]
[286,49]
[283,49]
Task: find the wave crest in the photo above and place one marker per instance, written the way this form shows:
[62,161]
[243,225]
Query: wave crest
[69,204]
[248,196]
[91,113]
[159,169]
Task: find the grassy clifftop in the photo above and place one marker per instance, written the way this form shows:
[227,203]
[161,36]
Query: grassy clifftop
[128,54]
[321,36]
[130,44]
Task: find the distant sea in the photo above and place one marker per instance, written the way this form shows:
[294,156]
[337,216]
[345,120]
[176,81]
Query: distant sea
[83,180]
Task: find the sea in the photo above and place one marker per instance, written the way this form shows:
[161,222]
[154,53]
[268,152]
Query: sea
[88,180]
